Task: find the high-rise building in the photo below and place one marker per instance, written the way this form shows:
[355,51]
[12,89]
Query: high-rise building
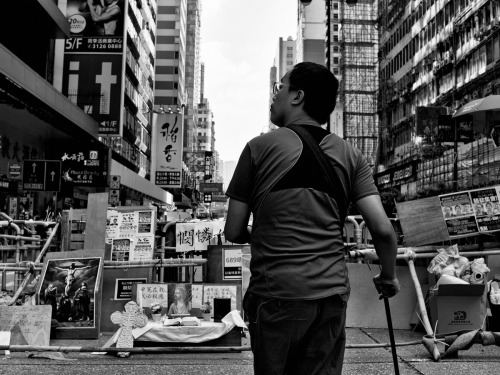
[170,87]
[285,56]
[283,61]
[311,32]
[354,59]
[193,74]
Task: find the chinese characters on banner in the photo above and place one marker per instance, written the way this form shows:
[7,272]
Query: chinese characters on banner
[193,236]
[169,150]
[131,234]
[147,293]
[197,236]
[471,212]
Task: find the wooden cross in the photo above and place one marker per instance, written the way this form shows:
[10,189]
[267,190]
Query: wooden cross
[131,318]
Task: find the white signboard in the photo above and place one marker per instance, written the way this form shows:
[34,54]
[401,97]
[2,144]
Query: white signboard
[197,295]
[231,261]
[193,236]
[147,293]
[169,128]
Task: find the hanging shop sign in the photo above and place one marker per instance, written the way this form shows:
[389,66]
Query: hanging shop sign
[42,175]
[86,167]
[168,173]
[214,187]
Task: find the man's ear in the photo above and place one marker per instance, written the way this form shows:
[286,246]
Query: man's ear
[299,97]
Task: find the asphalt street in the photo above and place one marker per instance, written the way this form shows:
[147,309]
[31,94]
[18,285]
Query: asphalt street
[412,359]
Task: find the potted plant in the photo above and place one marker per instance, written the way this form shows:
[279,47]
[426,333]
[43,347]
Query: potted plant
[156,311]
[206,310]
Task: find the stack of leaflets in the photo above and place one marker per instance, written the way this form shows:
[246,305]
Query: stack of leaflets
[185,321]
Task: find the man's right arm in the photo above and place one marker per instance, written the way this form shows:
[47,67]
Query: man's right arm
[384,240]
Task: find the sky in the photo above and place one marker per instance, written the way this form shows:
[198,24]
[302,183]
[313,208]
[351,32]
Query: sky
[239,39]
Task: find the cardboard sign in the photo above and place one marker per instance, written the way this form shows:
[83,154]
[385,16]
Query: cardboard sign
[28,325]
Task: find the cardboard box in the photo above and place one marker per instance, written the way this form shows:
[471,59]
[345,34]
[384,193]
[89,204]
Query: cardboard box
[458,307]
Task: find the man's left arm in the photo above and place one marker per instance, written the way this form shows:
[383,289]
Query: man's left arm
[237,229]
[384,240]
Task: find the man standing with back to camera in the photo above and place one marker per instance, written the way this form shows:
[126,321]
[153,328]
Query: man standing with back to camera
[297,297]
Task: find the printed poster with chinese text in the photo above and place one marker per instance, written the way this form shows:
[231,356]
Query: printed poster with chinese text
[471,212]
[487,208]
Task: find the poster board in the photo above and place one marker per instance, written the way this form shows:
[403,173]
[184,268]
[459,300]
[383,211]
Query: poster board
[25,325]
[131,232]
[211,291]
[78,312]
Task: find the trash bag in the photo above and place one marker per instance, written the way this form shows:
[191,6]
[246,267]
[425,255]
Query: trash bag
[448,262]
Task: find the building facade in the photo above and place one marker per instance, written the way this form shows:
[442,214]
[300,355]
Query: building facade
[435,57]
[51,113]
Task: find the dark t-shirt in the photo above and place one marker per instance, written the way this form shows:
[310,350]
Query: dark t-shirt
[297,245]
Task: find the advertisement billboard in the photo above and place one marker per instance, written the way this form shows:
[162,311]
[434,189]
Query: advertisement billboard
[93,67]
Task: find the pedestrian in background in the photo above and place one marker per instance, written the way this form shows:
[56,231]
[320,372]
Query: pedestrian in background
[297,296]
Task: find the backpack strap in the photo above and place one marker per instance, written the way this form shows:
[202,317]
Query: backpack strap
[328,167]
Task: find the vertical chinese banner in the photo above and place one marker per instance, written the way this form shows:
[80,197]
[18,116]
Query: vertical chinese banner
[208,166]
[169,130]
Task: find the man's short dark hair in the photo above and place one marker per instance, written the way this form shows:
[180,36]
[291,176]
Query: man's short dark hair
[320,87]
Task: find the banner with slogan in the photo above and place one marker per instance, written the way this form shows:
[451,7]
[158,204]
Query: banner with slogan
[168,172]
[197,236]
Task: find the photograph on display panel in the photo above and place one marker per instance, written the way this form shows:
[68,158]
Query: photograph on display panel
[70,287]
[181,297]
